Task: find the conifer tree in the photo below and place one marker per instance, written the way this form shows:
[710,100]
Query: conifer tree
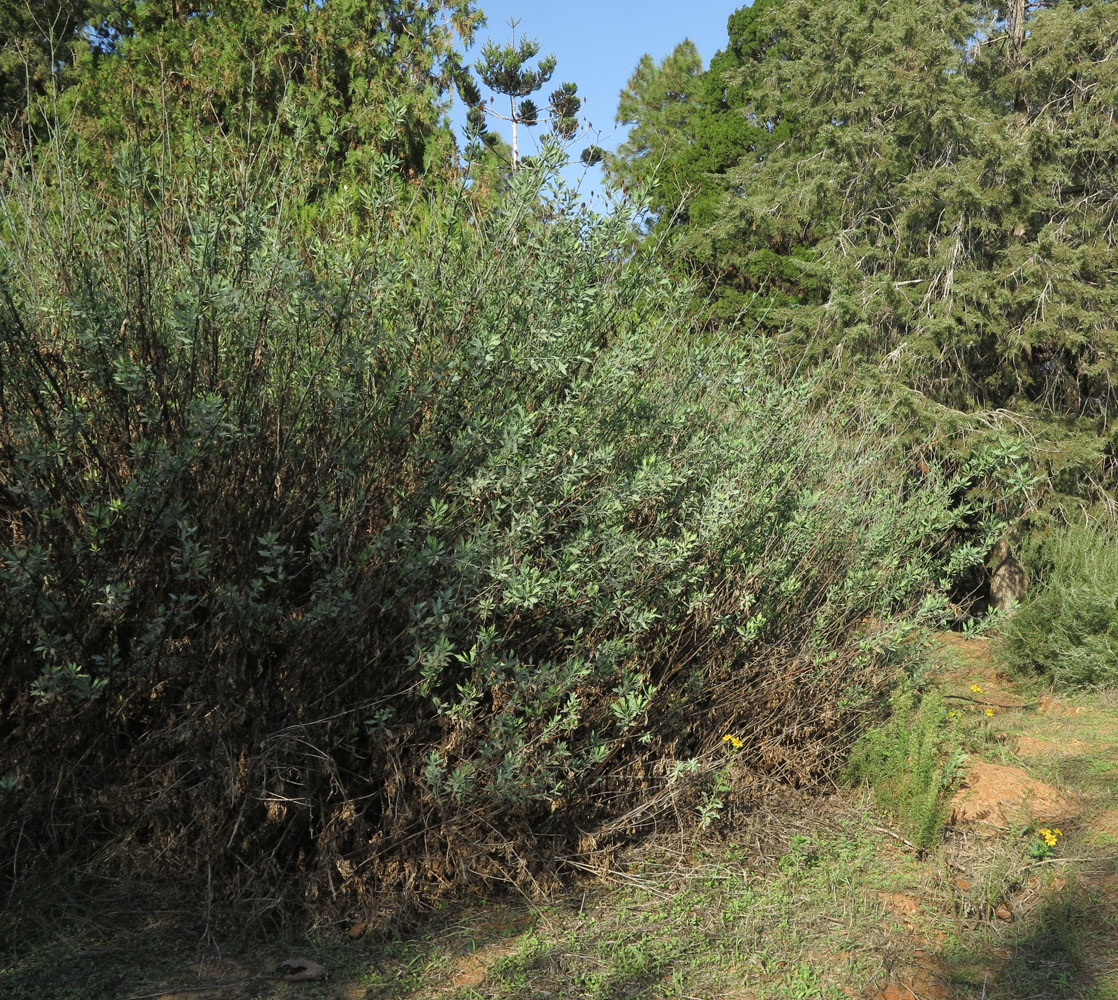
[37,42]
[689,128]
[924,186]
[357,81]
[505,69]
[660,104]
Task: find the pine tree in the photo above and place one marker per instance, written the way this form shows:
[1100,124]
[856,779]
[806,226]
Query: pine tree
[660,104]
[689,130]
[505,69]
[942,197]
[38,39]
[362,84]
[926,186]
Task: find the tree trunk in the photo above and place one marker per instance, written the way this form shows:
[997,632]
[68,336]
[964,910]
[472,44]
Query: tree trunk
[1018,9]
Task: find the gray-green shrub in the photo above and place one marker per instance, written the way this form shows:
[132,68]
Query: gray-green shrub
[354,551]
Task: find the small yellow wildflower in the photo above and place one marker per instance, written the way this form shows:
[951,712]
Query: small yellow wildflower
[1043,848]
[989,711]
[976,689]
[733,741]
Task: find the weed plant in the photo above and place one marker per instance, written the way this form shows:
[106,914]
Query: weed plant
[910,762]
[351,552]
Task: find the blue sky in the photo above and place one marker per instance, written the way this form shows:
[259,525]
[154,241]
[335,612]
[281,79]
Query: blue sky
[598,45]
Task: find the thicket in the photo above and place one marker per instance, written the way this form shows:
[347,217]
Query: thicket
[350,557]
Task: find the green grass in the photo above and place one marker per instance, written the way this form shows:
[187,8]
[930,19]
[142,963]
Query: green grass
[787,909]
[709,921]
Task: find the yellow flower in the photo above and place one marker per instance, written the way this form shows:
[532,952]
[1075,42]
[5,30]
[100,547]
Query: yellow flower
[1050,836]
[976,689]
[733,741]
[989,711]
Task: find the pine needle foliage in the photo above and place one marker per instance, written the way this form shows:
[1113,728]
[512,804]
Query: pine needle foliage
[921,186]
[347,560]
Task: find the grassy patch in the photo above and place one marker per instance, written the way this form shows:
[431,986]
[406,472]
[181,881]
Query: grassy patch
[776,914]
[803,896]
[794,905]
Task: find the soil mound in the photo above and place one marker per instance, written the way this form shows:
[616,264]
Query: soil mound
[999,796]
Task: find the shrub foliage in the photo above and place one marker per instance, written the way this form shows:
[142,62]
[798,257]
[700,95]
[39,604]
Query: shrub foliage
[910,764]
[345,559]
[1067,628]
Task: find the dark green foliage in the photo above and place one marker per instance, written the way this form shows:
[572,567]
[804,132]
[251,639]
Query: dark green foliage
[347,562]
[739,268]
[38,39]
[689,128]
[968,239]
[592,155]
[503,67]
[348,86]
[725,134]
[564,109]
[913,185]
[658,104]
[874,93]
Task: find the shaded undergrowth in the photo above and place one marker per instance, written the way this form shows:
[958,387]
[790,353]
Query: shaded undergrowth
[791,895]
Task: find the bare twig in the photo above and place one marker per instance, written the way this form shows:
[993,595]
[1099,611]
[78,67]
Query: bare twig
[992,704]
[197,989]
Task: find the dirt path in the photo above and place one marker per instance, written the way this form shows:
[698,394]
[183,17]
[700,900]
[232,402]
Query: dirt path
[1045,762]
